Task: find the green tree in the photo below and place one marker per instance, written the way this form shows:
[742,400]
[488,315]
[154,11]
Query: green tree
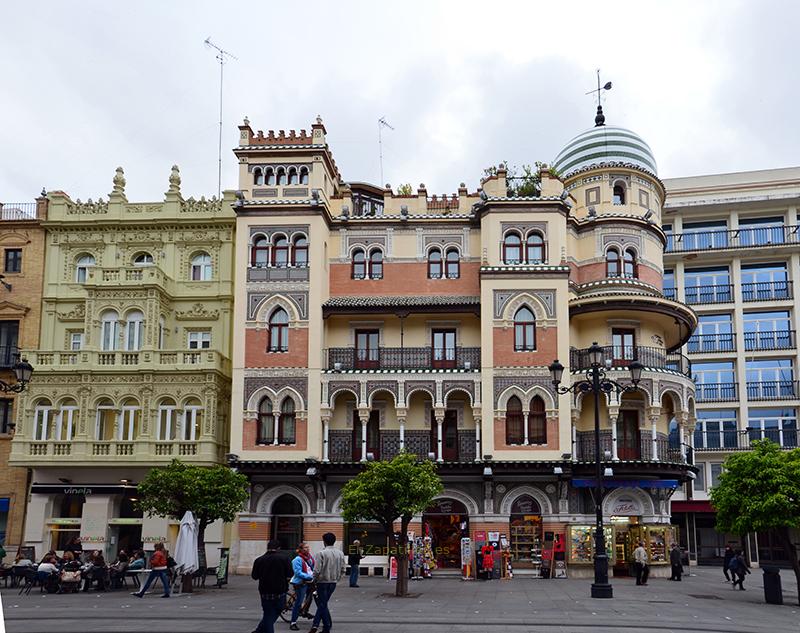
[758,491]
[210,493]
[386,491]
[405,190]
[522,181]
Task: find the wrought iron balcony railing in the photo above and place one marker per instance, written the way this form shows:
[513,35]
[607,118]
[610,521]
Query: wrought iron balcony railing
[624,355]
[736,439]
[721,293]
[772,390]
[737,238]
[715,391]
[402,358]
[767,290]
[770,340]
[9,354]
[712,343]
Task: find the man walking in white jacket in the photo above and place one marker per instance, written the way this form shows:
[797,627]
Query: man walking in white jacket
[328,571]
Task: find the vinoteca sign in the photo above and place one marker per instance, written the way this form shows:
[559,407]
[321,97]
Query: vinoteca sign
[626,506]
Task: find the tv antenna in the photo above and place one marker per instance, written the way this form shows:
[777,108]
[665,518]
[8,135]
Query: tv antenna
[222,56]
[382,124]
[600,119]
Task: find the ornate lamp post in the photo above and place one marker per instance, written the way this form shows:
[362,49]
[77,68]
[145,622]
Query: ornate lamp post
[597,383]
[22,371]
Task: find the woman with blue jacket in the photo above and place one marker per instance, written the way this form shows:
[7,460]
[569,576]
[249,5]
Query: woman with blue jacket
[303,568]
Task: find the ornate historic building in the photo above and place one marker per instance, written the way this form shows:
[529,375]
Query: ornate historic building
[21,270]
[132,368]
[732,254]
[368,322]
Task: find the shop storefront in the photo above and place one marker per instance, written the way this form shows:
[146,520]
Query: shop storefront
[446,521]
[525,532]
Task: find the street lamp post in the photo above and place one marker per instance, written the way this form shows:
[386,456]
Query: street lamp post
[22,372]
[597,383]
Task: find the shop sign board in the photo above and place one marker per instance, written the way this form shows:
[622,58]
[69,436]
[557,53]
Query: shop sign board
[393,568]
[466,558]
[222,568]
[626,505]
[480,536]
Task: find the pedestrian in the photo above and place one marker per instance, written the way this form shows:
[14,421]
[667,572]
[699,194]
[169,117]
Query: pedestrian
[272,570]
[354,560]
[330,569]
[675,561]
[726,562]
[739,569]
[158,569]
[75,547]
[303,568]
[640,561]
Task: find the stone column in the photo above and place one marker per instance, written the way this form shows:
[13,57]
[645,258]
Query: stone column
[655,414]
[439,415]
[401,420]
[275,426]
[613,414]
[326,426]
[363,416]
[526,440]
[477,418]
[682,418]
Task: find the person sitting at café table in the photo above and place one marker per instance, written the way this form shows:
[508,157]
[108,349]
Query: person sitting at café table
[46,568]
[118,568]
[95,571]
[70,572]
[139,561]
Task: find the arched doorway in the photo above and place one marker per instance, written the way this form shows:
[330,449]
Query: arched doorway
[446,521]
[525,531]
[287,522]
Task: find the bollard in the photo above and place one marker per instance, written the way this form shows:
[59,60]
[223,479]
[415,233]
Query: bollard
[773,592]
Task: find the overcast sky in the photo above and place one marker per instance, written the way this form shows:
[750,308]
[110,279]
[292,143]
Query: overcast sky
[88,86]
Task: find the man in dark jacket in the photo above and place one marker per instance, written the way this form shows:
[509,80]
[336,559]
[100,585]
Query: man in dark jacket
[726,562]
[272,571]
[354,557]
[675,561]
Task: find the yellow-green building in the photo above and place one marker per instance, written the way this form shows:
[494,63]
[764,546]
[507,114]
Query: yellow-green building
[133,364]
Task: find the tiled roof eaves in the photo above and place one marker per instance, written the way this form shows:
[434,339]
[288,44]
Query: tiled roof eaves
[274,147]
[412,216]
[400,300]
[277,201]
[523,199]
[401,371]
[525,268]
[617,282]
[616,163]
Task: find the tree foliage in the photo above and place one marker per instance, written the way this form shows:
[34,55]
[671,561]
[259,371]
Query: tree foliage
[759,490]
[405,190]
[210,493]
[386,491]
[522,181]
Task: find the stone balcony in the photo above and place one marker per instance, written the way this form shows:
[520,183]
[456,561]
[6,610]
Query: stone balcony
[27,452]
[129,276]
[153,360]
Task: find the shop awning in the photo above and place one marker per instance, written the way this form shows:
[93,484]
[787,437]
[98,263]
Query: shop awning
[692,506]
[627,483]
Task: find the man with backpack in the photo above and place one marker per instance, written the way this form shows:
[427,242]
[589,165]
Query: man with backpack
[739,568]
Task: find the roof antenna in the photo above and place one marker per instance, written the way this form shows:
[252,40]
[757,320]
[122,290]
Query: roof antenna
[382,124]
[600,119]
[222,57]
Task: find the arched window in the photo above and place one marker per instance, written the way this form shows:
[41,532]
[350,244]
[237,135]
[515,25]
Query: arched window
[286,427]
[201,267]
[106,420]
[435,264]
[514,430]
[524,330]
[167,421]
[269,176]
[82,266]
[265,433]
[134,331]
[109,330]
[304,175]
[259,252]
[619,194]
[42,420]
[453,264]
[300,251]
[537,422]
[281,176]
[376,264]
[258,176]
[612,263]
[512,248]
[293,179]
[278,331]
[128,427]
[143,259]
[192,420]
[66,420]
[629,268]
[280,251]
[359,264]
[534,248]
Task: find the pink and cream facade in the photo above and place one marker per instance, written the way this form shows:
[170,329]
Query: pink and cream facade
[369,322]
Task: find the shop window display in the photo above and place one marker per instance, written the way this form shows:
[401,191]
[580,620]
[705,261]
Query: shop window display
[581,544]
[525,532]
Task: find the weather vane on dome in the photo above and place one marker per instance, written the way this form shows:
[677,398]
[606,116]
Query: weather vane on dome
[600,119]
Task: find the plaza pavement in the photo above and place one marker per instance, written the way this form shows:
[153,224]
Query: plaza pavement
[701,602]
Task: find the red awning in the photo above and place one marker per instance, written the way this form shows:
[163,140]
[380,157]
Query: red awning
[692,506]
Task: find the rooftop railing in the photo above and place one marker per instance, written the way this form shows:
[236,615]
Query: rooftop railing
[622,356]
[16,211]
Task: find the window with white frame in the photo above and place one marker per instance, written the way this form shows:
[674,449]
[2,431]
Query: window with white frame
[41,420]
[192,419]
[128,426]
[76,341]
[778,425]
[167,421]
[716,471]
[700,480]
[82,266]
[769,379]
[200,339]
[716,428]
[134,331]
[767,330]
[65,421]
[109,330]
[106,421]
[201,269]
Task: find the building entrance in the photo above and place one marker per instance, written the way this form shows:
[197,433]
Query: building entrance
[446,522]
